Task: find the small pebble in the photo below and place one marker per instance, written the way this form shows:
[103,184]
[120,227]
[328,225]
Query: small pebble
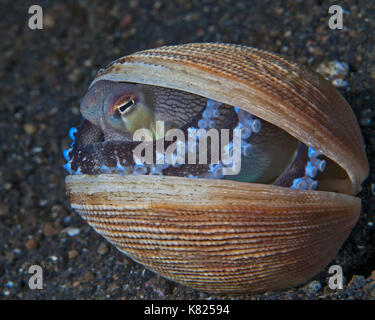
[341,83]
[30,128]
[335,71]
[113,286]
[37,149]
[67,220]
[103,249]
[89,276]
[53,258]
[71,232]
[74,75]
[333,68]
[31,244]
[58,211]
[369,289]
[73,254]
[157,285]
[48,21]
[87,63]
[357,282]
[49,230]
[314,287]
[43,202]
[7,186]
[366,116]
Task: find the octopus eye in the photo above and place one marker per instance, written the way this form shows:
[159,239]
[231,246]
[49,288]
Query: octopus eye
[125,105]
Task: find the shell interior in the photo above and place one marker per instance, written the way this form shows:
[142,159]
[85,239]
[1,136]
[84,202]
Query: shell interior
[265,153]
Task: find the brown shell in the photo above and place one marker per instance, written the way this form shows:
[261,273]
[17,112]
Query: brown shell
[217,235]
[226,236]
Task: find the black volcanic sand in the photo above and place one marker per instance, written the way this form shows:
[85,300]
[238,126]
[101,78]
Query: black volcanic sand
[44,74]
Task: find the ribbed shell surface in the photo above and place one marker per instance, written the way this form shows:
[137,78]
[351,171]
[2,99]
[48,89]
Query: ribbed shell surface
[217,236]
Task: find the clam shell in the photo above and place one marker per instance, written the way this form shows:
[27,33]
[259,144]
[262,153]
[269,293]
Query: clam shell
[217,235]
[226,236]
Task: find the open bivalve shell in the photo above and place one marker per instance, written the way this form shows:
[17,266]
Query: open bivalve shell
[216,233]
